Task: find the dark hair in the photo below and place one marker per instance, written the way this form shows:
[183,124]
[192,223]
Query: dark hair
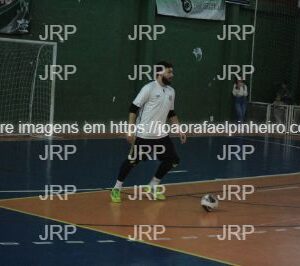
[164,64]
[237,79]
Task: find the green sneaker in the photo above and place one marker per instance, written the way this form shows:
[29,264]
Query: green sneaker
[115,195]
[157,194]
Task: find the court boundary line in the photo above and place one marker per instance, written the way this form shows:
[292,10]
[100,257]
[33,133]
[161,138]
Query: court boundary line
[99,190]
[271,142]
[119,236]
[113,136]
[262,204]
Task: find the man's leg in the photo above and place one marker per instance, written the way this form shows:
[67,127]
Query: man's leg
[169,159]
[126,167]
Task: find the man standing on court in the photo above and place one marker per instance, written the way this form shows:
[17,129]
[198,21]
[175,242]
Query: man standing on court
[151,108]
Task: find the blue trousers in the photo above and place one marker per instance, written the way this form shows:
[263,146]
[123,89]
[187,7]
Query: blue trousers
[240,108]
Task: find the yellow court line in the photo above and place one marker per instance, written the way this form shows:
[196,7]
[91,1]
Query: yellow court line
[117,235]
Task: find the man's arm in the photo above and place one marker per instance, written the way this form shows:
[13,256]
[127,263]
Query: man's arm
[139,101]
[173,118]
[131,121]
[133,110]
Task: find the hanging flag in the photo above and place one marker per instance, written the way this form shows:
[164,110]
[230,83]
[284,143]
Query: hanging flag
[197,9]
[14,16]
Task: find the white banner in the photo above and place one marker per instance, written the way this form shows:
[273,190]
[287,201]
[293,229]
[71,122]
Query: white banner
[198,9]
[239,2]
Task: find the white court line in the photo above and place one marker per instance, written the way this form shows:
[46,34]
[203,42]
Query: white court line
[297,228]
[164,238]
[260,232]
[74,242]
[189,237]
[89,190]
[213,236]
[106,241]
[271,189]
[9,244]
[43,191]
[21,191]
[281,221]
[177,172]
[272,142]
[256,177]
[223,179]
[43,243]
[281,230]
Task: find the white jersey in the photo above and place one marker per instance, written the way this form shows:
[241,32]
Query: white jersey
[155,102]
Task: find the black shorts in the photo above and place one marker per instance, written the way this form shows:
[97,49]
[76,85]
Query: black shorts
[153,149]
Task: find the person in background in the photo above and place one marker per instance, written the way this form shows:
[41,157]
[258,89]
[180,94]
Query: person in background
[240,93]
[285,94]
[278,109]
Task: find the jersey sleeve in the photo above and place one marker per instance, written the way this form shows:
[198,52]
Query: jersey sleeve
[142,97]
[245,91]
[173,102]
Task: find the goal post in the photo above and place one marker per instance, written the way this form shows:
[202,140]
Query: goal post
[24,96]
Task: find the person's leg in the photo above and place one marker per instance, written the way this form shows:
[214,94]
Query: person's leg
[239,111]
[126,167]
[169,159]
[244,109]
[277,116]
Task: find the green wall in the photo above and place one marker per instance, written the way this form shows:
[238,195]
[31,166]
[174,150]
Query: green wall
[100,51]
[104,57]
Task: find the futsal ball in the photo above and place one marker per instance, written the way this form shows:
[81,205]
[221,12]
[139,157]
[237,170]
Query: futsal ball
[209,202]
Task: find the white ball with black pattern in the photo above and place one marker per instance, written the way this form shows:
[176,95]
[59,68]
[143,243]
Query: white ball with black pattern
[209,202]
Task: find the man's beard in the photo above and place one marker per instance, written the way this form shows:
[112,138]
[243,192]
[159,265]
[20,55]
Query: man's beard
[166,81]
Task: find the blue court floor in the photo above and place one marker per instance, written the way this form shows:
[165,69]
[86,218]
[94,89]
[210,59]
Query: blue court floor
[95,166]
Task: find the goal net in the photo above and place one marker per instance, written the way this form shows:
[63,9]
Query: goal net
[24,96]
[276,50]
